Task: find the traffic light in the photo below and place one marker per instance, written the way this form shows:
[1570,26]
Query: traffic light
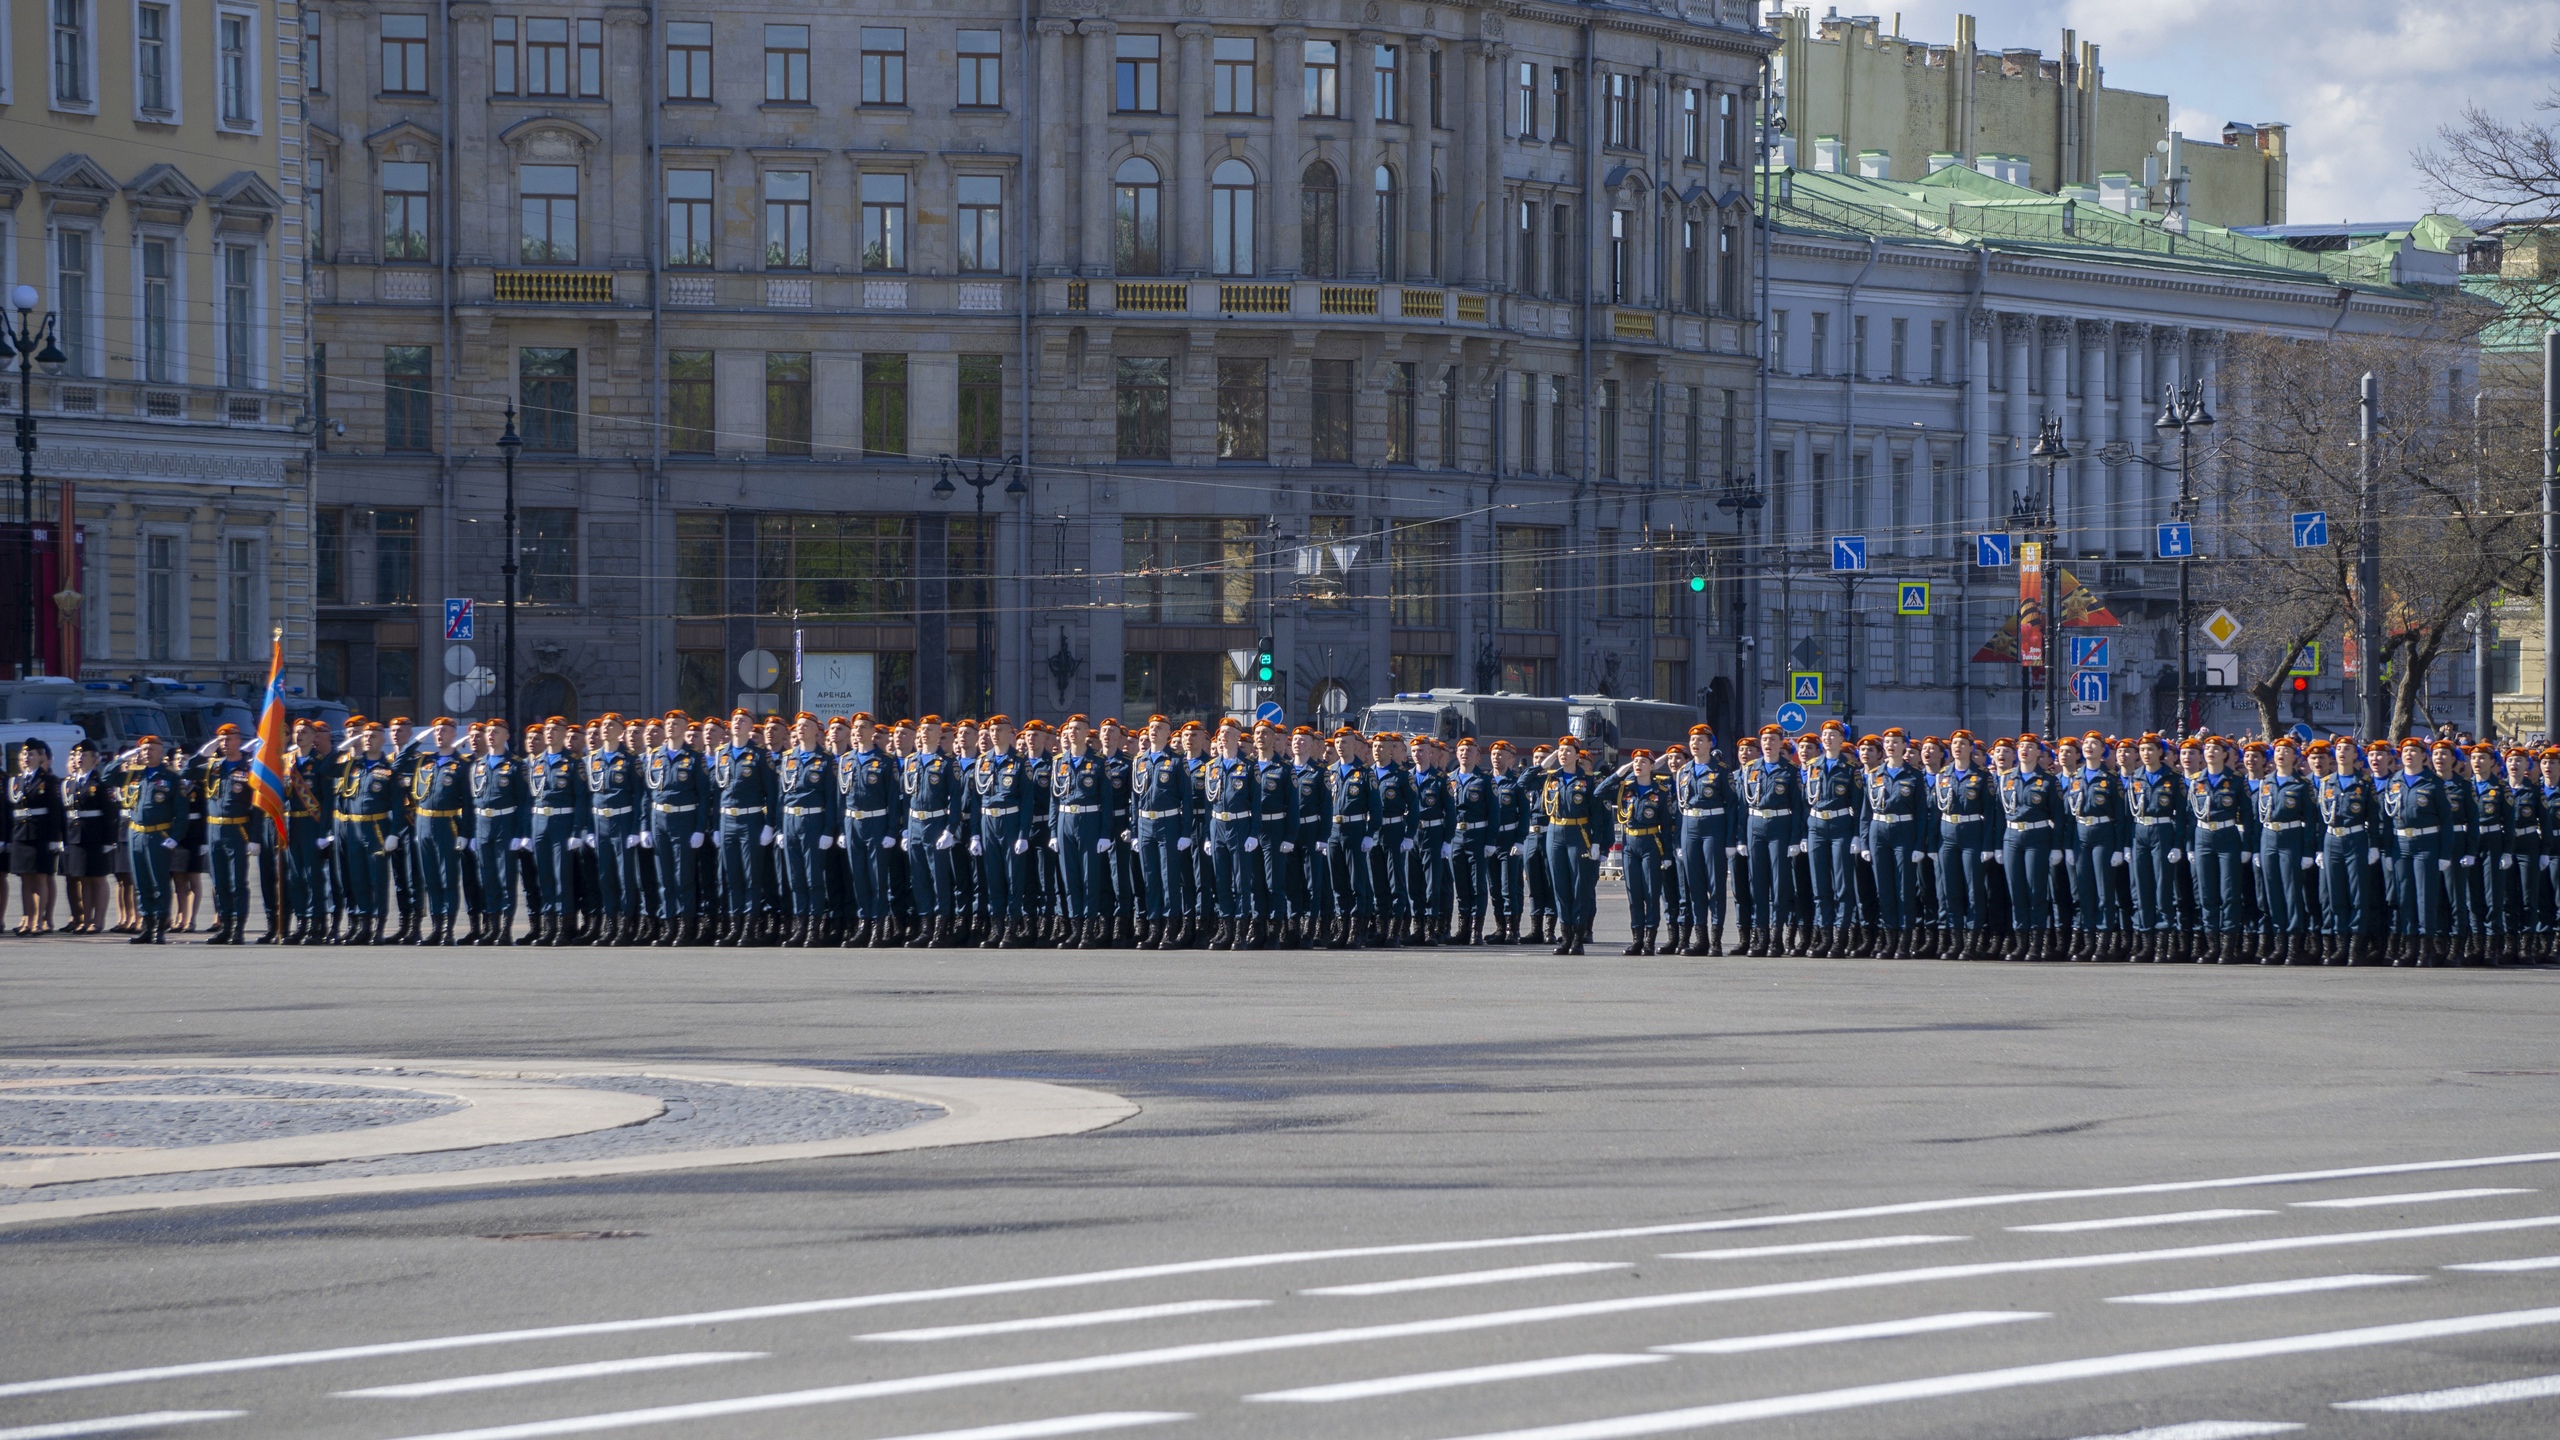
[1697,572]
[1697,584]
[1265,666]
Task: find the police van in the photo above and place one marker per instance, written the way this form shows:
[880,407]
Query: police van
[1610,727]
[108,711]
[1524,720]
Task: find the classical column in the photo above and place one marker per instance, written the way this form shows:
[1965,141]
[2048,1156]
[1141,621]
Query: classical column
[2099,522]
[1051,124]
[1096,134]
[1492,201]
[1188,221]
[1288,167]
[1419,164]
[2208,368]
[2169,355]
[2017,333]
[2053,334]
[1978,487]
[627,59]
[2133,426]
[1469,218]
[1360,186]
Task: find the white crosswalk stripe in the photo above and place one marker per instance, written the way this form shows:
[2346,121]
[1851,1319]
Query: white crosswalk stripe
[1065,1322]
[1824,1247]
[2128,1222]
[2463,1398]
[2204,1430]
[1450,1379]
[1470,1277]
[2422,1197]
[1837,1334]
[116,1424]
[550,1375]
[2261,1290]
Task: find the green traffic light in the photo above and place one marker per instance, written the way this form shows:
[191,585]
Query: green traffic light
[1698,582]
[1262,673]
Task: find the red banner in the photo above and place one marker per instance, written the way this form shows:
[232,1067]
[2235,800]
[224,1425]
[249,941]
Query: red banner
[2031,624]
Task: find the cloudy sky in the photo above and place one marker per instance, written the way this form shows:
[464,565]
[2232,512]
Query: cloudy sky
[2362,82]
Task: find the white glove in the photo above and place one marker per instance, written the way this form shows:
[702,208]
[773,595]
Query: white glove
[1488,852]
[1129,838]
[1404,846]
[2444,865]
[695,840]
[764,836]
[977,845]
[2505,862]
[888,842]
[519,844]
[253,847]
[1288,847]
[2174,856]
[903,845]
[1324,847]
[634,842]
[1182,844]
[168,844]
[648,839]
[826,842]
[1520,851]
[2373,854]
[945,840]
[1021,844]
[472,844]
[1252,843]
[460,844]
[2308,862]
[1596,853]
[1368,843]
[2118,858]
[2470,860]
[1053,844]
[389,843]
[325,841]
[1732,850]
[1102,846]
[1449,851]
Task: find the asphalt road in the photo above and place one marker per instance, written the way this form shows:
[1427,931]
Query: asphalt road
[1783,1198]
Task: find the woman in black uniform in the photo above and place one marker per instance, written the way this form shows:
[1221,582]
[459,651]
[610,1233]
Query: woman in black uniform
[89,843]
[35,835]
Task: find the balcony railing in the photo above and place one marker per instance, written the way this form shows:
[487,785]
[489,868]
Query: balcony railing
[1154,296]
[1420,304]
[554,287]
[1632,324]
[1471,309]
[1254,299]
[1348,300]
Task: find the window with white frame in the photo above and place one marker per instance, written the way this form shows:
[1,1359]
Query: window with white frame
[244,596]
[237,267]
[155,67]
[75,276]
[548,196]
[235,73]
[97,616]
[689,217]
[157,276]
[162,619]
[406,188]
[981,213]
[73,55]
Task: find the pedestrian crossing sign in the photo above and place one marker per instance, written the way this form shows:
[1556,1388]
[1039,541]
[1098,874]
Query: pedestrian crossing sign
[1807,686]
[1915,598]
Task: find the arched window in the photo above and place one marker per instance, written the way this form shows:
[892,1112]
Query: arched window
[1320,223]
[1137,229]
[1390,227]
[1231,219]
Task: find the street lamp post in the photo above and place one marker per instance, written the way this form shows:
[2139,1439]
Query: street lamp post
[2182,409]
[2052,449]
[1742,500]
[980,474]
[508,444]
[32,341]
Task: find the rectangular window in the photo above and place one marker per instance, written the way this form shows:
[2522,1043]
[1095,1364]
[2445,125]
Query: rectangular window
[158,275]
[1524,102]
[1694,439]
[242,593]
[547,382]
[836,567]
[884,222]
[1613,600]
[404,54]
[1526,244]
[1437,87]
[692,422]
[1729,434]
[239,282]
[1419,561]
[1729,269]
[1819,363]
[591,59]
[329,556]
[1898,507]
[981,224]
[549,556]
[699,674]
[1858,346]
[1938,351]
[1134,64]
[1560,84]
[1244,409]
[786,65]
[1901,353]
[1330,433]
[1558,451]
[1819,509]
[700,540]
[1188,571]
[884,65]
[1690,122]
[786,402]
[688,60]
[1728,128]
[786,220]
[1939,541]
[71,53]
[152,33]
[1449,418]
[162,589]
[1524,574]
[1387,102]
[546,56]
[503,54]
[2506,667]
[1778,341]
[1621,254]
[408,399]
[395,557]
[1780,487]
[1231,75]
[1608,429]
[982,69]
[395,677]
[981,405]
[1560,251]
[1144,395]
[1618,110]
[236,77]
[1693,276]
[405,197]
[548,196]
[1400,413]
[1324,78]
[689,218]
[884,406]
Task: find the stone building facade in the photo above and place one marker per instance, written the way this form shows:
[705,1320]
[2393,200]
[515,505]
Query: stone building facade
[152,194]
[1416,336]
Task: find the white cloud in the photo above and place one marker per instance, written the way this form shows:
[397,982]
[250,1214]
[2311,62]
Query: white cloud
[2361,83]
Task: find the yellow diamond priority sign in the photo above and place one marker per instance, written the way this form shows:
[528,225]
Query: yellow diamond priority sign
[2221,627]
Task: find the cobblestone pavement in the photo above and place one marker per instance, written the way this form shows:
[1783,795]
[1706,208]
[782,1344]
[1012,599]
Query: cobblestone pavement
[53,1109]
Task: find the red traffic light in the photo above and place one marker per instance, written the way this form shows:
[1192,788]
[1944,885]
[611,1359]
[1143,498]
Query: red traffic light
[2301,682]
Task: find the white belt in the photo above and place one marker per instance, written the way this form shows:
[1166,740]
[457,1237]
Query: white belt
[87,814]
[1000,810]
[666,809]
[555,810]
[865,814]
[2217,824]
[1893,819]
[804,809]
[2155,819]
[927,814]
[602,811]
[2030,824]
[1758,814]
[485,810]
[1833,814]
[1231,815]
[2528,829]
[2284,825]
[1158,814]
[1077,809]
[1275,815]
[2419,830]
[1696,812]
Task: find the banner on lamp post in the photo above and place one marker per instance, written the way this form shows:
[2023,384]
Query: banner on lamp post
[2031,624]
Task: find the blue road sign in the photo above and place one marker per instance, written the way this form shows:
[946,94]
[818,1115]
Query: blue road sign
[1807,688]
[1991,550]
[2310,529]
[2089,686]
[2302,732]
[2090,652]
[1848,552]
[457,619]
[1791,718]
[2177,540]
[1915,598]
[1268,713]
